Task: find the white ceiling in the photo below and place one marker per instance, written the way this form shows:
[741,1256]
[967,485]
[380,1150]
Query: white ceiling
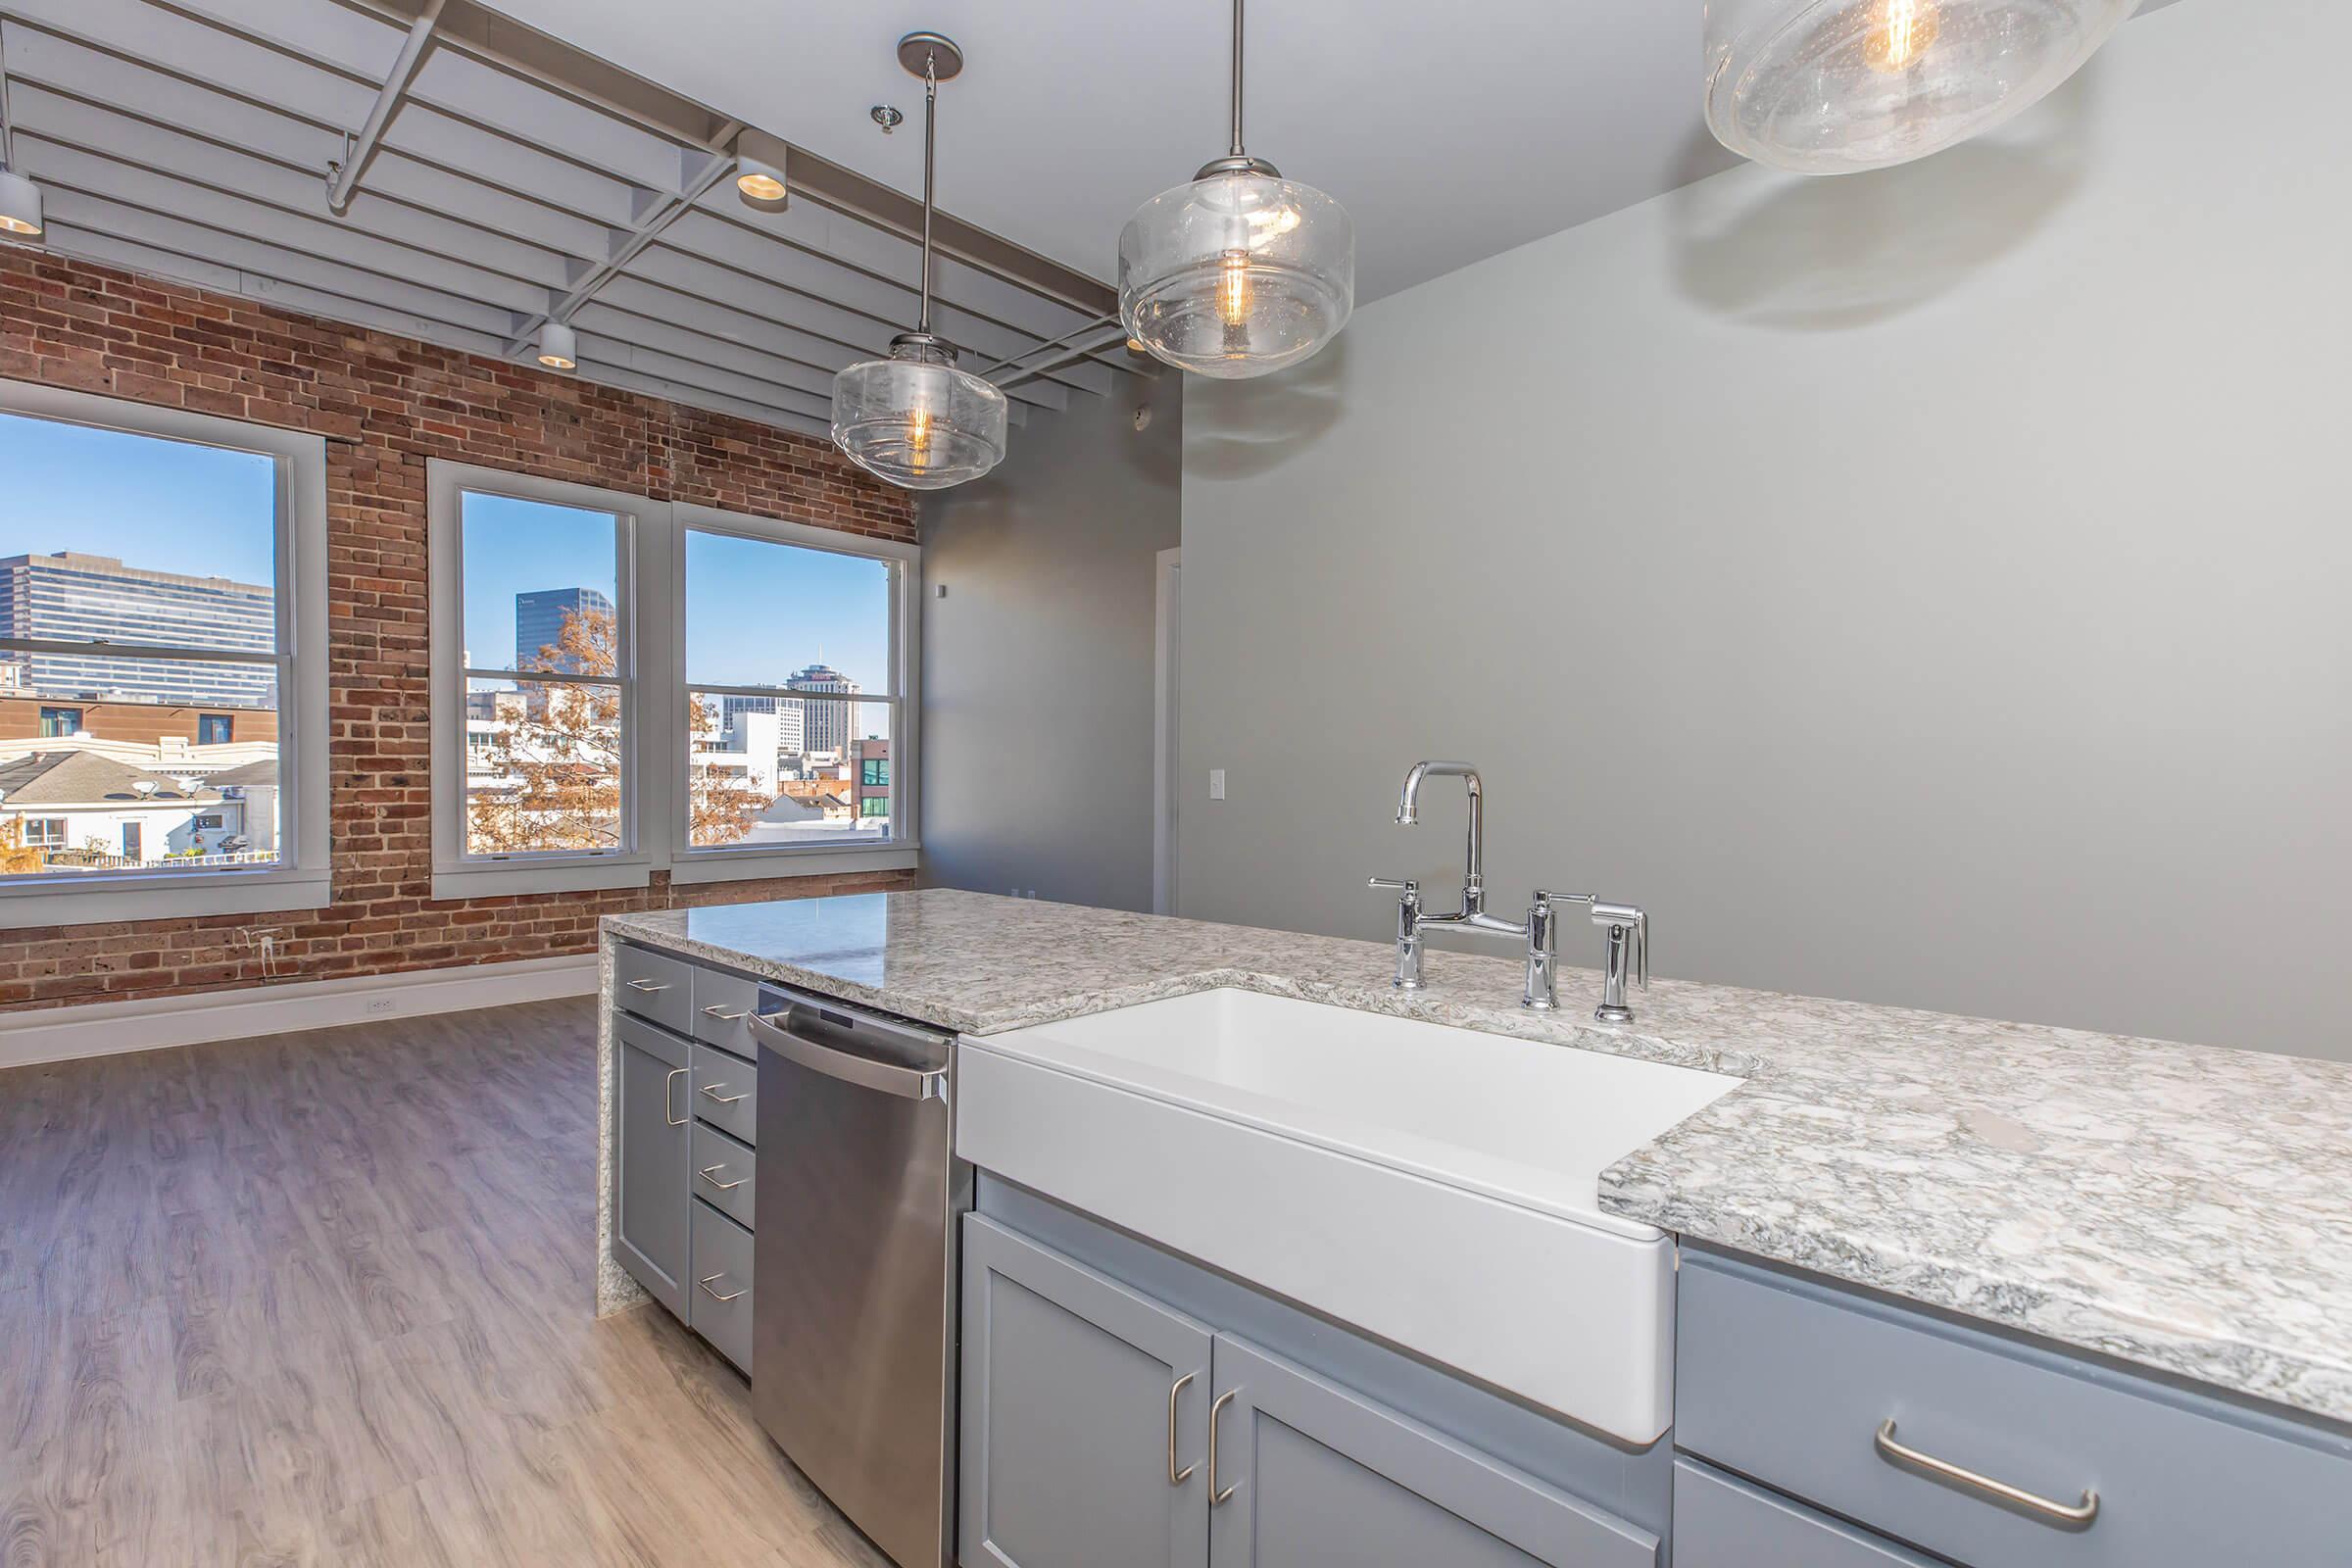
[1450,132]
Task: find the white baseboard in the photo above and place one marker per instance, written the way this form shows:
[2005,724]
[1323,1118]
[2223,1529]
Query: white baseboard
[150,1023]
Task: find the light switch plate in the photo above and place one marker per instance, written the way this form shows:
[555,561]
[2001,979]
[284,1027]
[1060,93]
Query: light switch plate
[1216,783]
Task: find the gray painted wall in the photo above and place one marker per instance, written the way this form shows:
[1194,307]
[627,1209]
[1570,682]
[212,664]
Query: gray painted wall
[1038,676]
[1927,587]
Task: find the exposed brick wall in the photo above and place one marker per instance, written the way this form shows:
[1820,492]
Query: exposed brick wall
[386,404]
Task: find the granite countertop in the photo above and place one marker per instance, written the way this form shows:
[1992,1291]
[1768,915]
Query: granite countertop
[2187,1209]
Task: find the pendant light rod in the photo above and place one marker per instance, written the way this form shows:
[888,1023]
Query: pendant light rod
[930,161]
[1237,80]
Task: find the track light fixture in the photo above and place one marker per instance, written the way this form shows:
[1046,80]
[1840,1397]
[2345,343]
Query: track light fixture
[558,347]
[20,198]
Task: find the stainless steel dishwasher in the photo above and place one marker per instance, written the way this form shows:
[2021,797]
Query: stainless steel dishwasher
[860,1198]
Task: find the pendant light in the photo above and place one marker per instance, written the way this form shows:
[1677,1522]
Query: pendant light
[1836,87]
[20,198]
[1239,272]
[913,419]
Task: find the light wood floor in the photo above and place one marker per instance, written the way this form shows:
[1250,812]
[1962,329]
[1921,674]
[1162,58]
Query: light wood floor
[327,1299]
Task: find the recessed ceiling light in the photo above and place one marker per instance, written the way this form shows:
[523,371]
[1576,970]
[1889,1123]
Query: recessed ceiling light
[558,347]
[760,172]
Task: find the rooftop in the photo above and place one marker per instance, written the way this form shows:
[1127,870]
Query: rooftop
[85,778]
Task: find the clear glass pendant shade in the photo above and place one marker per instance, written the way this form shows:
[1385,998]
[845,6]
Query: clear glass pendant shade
[1836,87]
[916,421]
[1235,274]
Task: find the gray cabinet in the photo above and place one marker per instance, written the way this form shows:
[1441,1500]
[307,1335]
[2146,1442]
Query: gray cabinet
[1917,1426]
[1723,1522]
[1310,1473]
[1085,1415]
[1092,1410]
[685,1119]
[652,1137]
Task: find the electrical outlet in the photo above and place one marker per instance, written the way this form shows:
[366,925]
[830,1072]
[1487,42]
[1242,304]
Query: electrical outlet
[377,1008]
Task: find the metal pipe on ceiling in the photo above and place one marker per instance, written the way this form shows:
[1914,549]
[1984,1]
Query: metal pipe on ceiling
[360,152]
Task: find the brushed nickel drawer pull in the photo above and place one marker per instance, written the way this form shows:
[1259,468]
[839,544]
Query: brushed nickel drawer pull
[713,1294]
[724,1099]
[649,987]
[725,1186]
[1176,1477]
[1215,1498]
[718,1010]
[2082,1513]
[668,1081]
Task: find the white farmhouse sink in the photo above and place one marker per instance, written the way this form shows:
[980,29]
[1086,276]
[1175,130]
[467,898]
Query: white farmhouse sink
[1432,1185]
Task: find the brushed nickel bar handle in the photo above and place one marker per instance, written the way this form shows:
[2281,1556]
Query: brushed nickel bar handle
[1176,1477]
[718,1010]
[649,987]
[669,1078]
[725,1186]
[2082,1513]
[713,1294]
[1216,1497]
[724,1099]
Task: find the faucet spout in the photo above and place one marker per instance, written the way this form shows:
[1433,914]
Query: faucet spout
[1409,813]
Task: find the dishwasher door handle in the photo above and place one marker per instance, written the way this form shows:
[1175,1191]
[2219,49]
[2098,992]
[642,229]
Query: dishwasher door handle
[907,1083]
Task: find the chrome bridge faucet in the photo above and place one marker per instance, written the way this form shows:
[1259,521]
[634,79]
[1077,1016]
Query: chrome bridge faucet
[1628,926]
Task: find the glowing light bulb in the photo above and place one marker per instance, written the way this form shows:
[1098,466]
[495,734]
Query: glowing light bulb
[1233,289]
[1903,31]
[918,440]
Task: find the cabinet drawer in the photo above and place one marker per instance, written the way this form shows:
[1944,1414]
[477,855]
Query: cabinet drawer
[719,1306]
[653,986]
[1789,1382]
[725,1173]
[1720,1522]
[722,1011]
[726,1091]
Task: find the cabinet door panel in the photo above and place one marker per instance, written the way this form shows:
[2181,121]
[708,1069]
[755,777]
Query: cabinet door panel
[1324,1478]
[650,1166]
[1066,1431]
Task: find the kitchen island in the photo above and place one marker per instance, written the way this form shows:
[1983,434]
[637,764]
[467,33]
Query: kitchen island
[2185,1208]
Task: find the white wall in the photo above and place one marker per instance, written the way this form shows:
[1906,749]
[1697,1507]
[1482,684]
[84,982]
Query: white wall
[1927,587]
[1038,665]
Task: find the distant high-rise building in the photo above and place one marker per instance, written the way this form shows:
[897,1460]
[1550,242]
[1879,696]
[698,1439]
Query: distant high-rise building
[539,624]
[790,727]
[74,598]
[829,726]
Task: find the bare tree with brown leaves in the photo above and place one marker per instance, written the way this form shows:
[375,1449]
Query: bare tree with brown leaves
[558,758]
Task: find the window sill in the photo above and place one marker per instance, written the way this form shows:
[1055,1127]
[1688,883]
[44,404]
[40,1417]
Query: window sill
[521,879]
[745,865]
[160,898]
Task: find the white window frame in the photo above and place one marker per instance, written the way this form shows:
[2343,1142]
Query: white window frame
[458,873]
[655,716]
[729,862]
[300,880]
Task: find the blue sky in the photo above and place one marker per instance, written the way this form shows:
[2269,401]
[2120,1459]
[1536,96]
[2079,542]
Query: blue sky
[168,506]
[755,611]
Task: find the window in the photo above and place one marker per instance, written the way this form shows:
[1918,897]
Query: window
[790,678]
[621,685]
[151,560]
[206,822]
[876,771]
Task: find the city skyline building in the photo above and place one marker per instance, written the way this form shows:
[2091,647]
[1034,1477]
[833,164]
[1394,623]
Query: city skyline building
[826,726]
[68,596]
[539,617]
